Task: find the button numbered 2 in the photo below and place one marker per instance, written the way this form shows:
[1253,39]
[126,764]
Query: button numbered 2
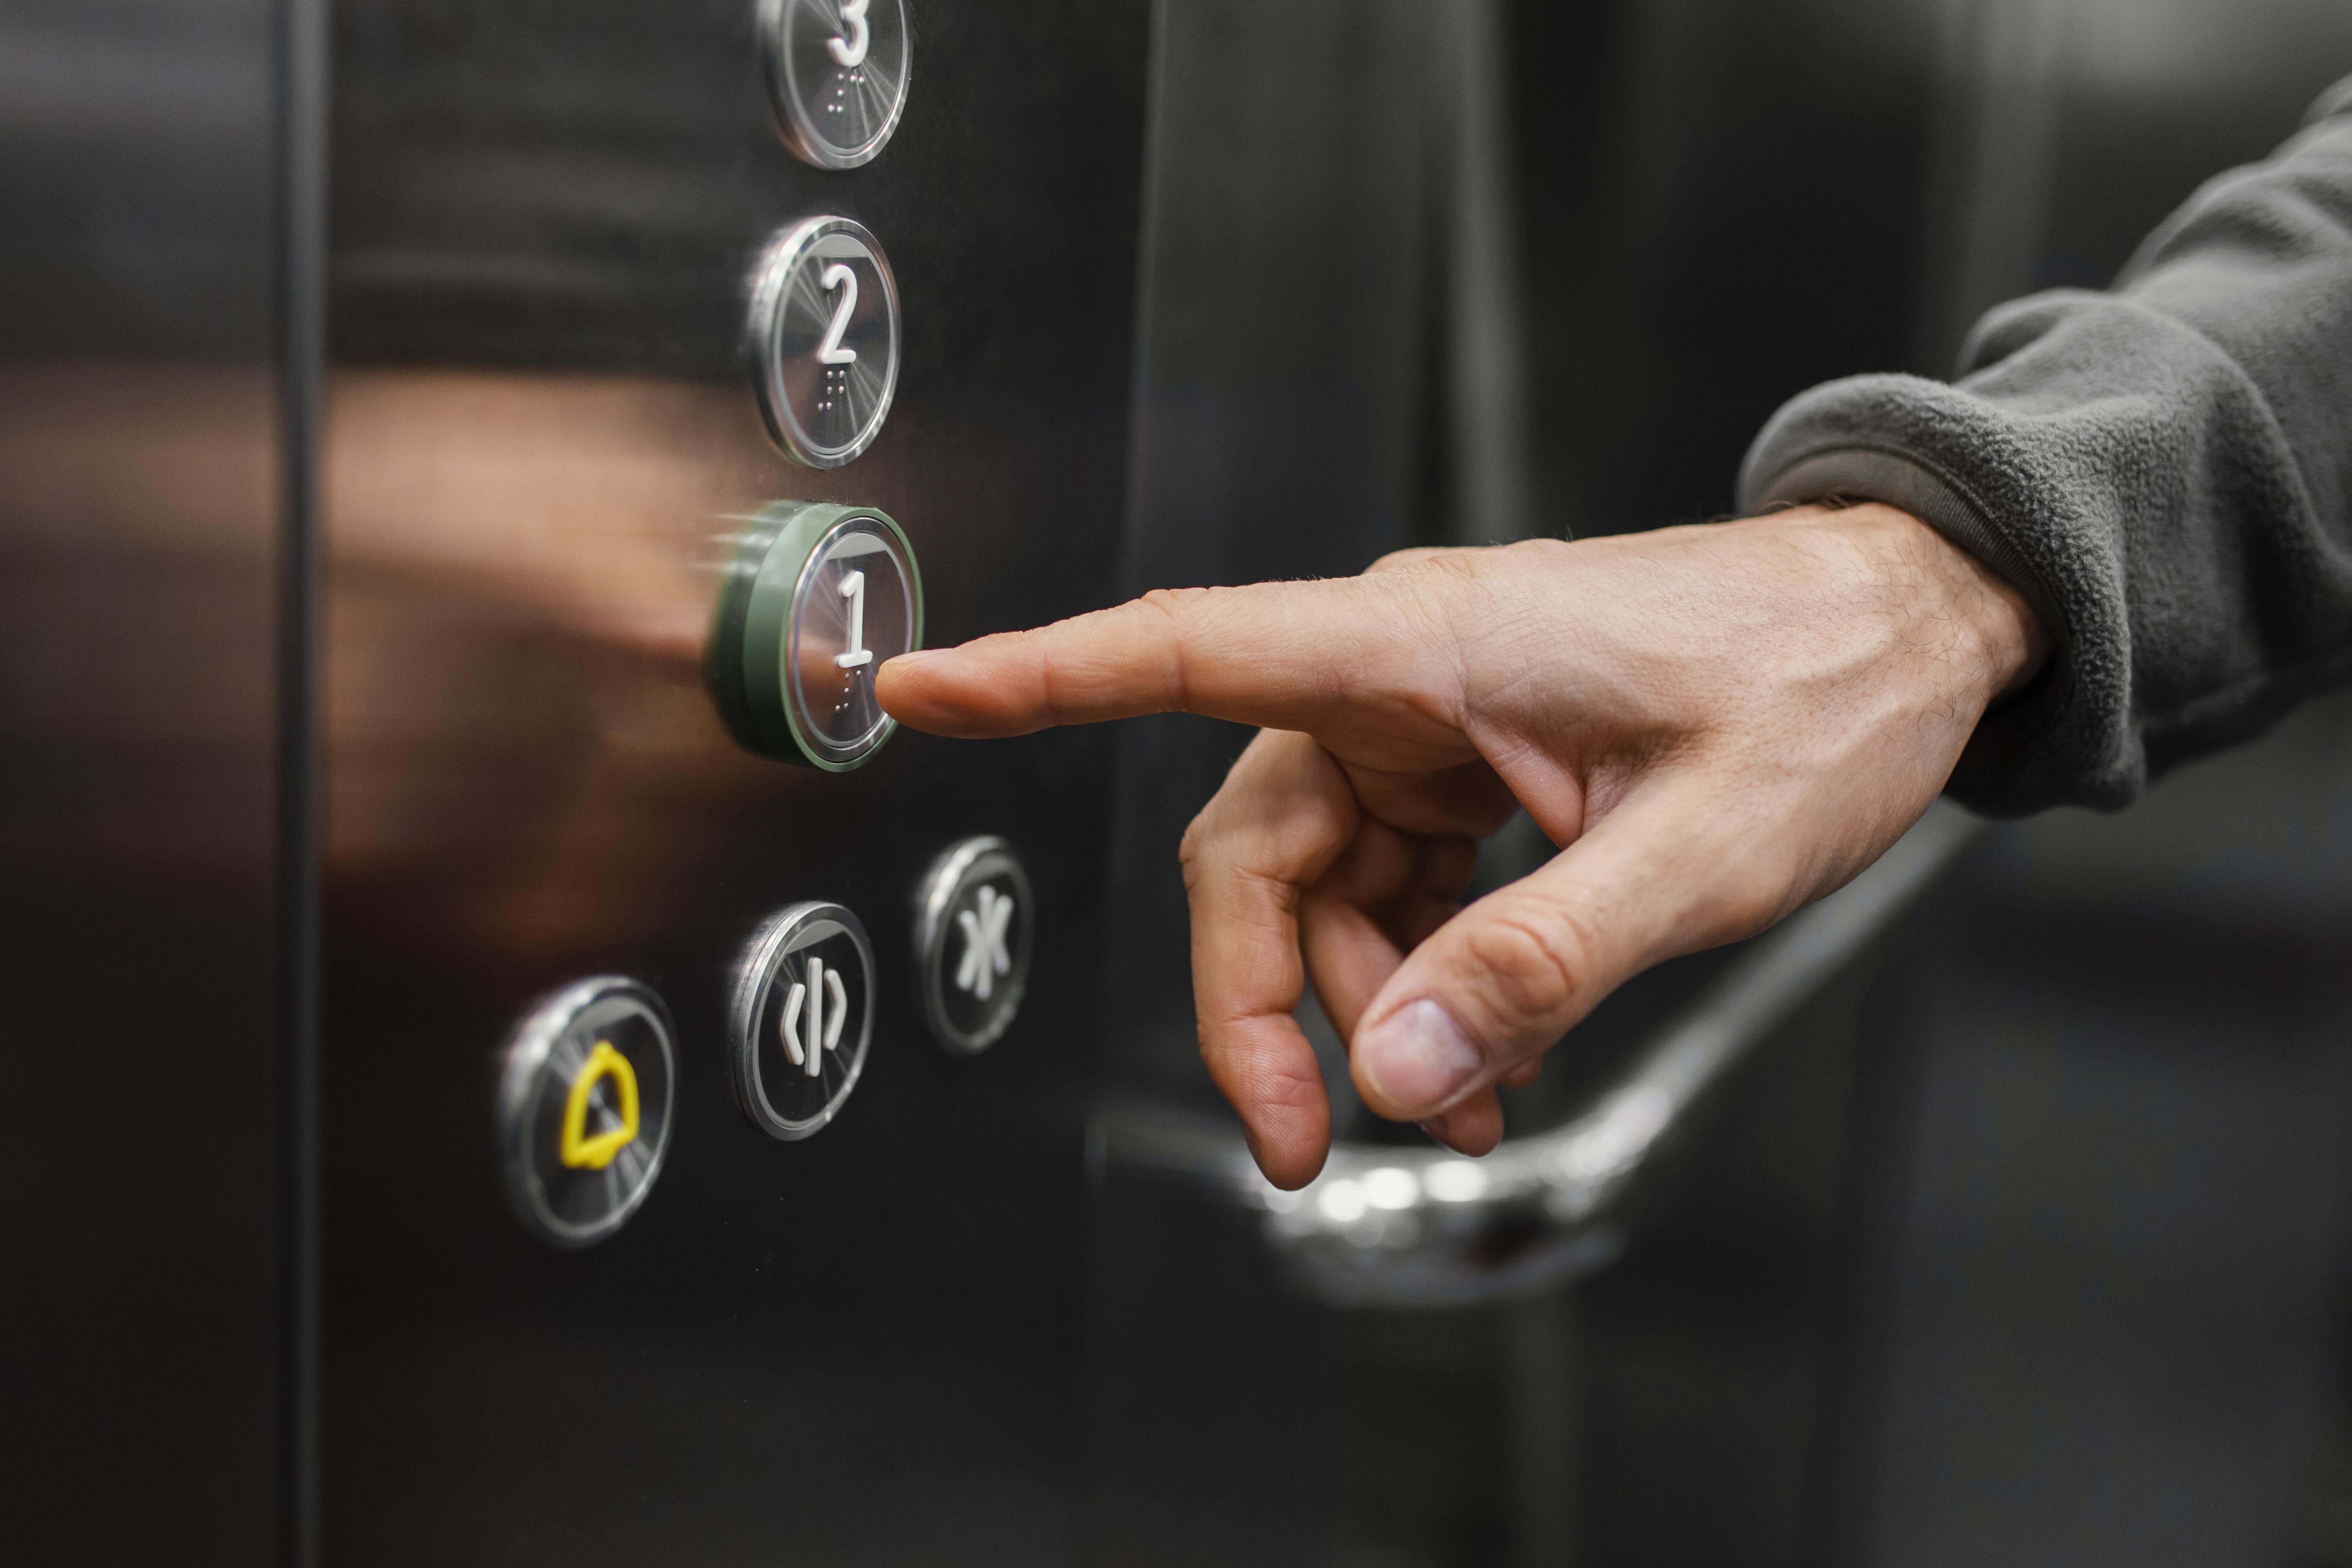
[823,339]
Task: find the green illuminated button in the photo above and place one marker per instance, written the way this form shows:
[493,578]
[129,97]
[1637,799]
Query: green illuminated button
[818,598]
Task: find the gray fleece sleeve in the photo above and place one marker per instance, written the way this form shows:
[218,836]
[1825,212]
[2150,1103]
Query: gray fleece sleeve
[2164,470]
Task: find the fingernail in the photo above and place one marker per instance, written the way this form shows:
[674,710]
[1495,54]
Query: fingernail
[1417,1058]
[917,656]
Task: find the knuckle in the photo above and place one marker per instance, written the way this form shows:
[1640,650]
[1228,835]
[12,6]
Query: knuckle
[1534,961]
[1172,602]
[1193,849]
[1747,905]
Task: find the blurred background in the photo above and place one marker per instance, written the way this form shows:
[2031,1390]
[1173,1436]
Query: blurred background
[369,399]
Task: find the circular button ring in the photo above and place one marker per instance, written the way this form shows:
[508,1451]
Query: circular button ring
[823,336]
[837,76]
[802,1019]
[975,922]
[817,598]
[585,1109]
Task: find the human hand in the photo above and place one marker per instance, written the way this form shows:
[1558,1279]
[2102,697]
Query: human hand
[1718,724]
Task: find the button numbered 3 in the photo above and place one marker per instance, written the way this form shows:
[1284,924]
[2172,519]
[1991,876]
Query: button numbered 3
[836,74]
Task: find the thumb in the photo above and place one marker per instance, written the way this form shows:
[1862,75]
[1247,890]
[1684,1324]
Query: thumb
[1493,988]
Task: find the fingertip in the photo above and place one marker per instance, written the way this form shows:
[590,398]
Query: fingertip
[899,685]
[1288,1140]
[1267,1073]
[1289,1168]
[1474,1128]
[947,691]
[1414,1061]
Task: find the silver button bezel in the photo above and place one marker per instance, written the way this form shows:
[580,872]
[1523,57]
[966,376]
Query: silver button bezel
[780,266]
[962,866]
[788,932]
[798,122]
[890,545]
[529,1055]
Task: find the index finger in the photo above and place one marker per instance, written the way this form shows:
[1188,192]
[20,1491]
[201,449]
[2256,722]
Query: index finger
[1275,655]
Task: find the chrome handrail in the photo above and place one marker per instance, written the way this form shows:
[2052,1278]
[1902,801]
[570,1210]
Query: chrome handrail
[1417,1228]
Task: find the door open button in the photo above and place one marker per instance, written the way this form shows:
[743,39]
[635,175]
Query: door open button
[802,1020]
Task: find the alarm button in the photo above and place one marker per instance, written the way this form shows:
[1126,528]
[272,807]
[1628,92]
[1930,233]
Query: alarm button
[819,597]
[585,1109]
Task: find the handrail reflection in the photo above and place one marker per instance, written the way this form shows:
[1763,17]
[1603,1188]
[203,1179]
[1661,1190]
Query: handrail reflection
[1422,1228]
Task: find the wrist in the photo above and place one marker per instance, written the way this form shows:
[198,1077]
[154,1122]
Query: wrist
[1970,612]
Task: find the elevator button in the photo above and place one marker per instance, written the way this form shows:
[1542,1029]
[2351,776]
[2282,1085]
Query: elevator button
[802,1019]
[837,74]
[817,599]
[823,339]
[974,925]
[585,1109]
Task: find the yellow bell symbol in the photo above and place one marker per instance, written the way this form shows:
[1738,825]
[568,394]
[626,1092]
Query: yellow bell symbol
[580,1151]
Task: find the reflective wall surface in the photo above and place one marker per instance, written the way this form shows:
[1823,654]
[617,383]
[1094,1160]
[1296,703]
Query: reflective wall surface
[2020,1241]
[138,517]
[543,444]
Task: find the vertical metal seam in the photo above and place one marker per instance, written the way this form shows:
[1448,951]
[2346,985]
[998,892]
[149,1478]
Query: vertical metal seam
[1146,238]
[299,330]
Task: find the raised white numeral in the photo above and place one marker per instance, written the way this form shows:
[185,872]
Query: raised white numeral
[830,351]
[850,52]
[853,588]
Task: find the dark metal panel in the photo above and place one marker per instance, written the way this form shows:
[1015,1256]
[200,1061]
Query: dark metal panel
[138,520]
[863,1347]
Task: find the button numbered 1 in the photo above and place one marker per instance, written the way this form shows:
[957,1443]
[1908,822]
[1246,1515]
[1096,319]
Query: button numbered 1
[818,598]
[823,339]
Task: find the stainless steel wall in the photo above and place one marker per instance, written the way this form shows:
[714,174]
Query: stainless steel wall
[139,529]
[865,1347]
[938,1331]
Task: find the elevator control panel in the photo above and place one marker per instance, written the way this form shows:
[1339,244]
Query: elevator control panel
[816,599]
[974,929]
[837,75]
[823,338]
[802,1018]
[585,1109]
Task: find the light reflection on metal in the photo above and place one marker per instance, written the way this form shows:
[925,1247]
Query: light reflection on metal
[1415,1228]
